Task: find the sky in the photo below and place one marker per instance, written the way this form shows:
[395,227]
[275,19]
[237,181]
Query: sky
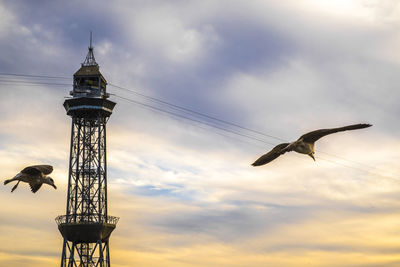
[203,88]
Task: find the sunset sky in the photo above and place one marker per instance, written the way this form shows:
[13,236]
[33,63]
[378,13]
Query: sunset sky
[240,77]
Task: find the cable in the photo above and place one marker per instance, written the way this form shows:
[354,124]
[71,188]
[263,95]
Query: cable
[34,76]
[389,176]
[32,83]
[26,77]
[191,119]
[199,113]
[178,108]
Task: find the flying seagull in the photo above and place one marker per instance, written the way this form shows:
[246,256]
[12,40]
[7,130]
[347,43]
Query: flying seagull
[35,176]
[305,144]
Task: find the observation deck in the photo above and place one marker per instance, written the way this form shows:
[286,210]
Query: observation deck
[88,107]
[86,228]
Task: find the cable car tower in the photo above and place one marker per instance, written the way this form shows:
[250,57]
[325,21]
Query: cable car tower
[86,227]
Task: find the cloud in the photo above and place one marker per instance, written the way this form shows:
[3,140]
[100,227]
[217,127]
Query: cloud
[171,38]
[6,20]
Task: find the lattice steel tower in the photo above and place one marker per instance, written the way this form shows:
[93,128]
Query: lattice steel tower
[86,227]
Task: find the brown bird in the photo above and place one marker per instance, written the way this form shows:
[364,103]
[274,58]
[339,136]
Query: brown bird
[305,144]
[35,176]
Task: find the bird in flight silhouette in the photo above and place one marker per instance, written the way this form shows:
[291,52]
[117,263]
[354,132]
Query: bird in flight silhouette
[305,144]
[35,176]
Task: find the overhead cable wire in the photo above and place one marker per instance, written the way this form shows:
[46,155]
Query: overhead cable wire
[28,79]
[13,82]
[198,113]
[387,175]
[34,76]
[191,119]
[178,107]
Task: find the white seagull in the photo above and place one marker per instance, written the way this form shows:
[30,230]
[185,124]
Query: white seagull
[305,144]
[35,176]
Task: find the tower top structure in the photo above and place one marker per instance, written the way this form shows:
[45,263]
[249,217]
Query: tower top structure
[89,93]
[90,60]
[88,80]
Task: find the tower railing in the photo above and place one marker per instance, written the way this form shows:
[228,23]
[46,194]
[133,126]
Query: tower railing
[85,218]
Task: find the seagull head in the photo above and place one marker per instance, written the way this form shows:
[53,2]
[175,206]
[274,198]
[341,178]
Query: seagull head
[50,181]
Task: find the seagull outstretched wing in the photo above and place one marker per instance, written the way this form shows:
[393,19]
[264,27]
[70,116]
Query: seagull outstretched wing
[313,136]
[271,155]
[38,169]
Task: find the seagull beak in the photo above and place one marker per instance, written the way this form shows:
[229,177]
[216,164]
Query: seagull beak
[55,187]
[312,156]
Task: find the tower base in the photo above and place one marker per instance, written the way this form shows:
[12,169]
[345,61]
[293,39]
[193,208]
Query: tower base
[85,254]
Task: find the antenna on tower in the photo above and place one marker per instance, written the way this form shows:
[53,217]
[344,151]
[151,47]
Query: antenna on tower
[90,47]
[90,60]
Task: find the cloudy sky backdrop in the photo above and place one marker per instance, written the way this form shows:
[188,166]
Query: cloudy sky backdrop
[184,188]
